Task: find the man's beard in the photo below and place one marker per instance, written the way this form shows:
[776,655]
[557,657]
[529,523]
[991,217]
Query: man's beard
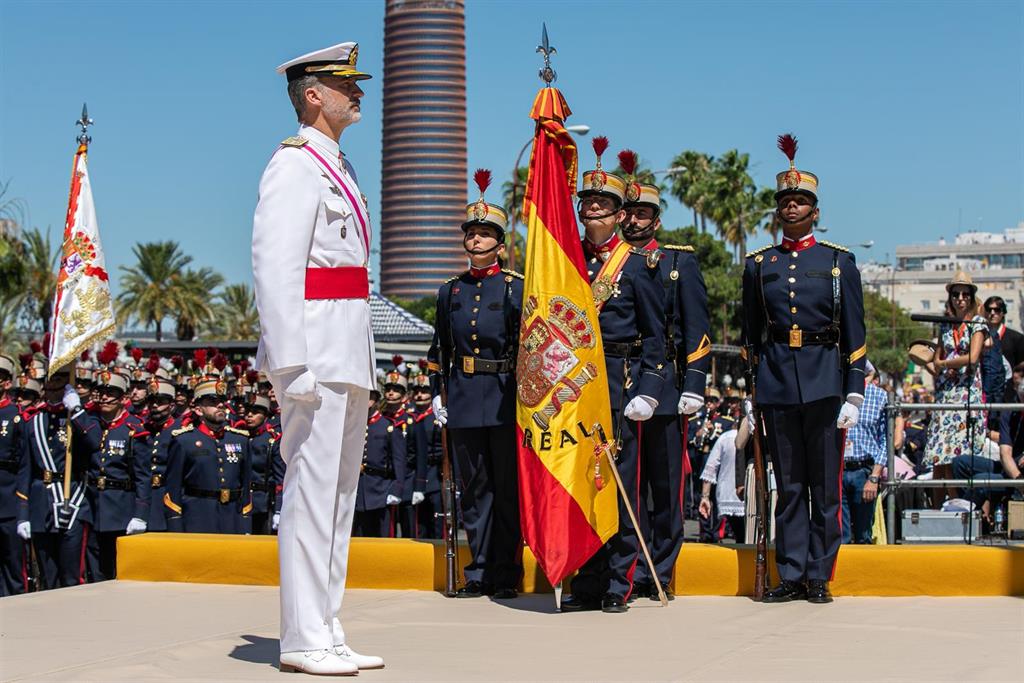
[341,113]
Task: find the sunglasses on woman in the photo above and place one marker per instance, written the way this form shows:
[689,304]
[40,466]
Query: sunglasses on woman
[961,294]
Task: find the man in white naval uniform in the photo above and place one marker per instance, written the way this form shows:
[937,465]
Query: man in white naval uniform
[310,250]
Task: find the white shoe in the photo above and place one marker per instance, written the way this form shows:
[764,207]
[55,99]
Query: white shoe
[347,654]
[321,662]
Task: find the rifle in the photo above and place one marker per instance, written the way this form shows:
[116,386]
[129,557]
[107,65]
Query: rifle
[761,500]
[448,514]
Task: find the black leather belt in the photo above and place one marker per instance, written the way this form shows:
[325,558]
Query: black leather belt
[622,349]
[222,495]
[378,471]
[102,483]
[861,464]
[49,476]
[795,338]
[471,365]
[260,486]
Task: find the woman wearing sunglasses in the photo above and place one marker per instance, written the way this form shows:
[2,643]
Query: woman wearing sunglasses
[957,374]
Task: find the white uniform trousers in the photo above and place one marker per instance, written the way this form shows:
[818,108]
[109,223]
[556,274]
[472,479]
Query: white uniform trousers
[322,444]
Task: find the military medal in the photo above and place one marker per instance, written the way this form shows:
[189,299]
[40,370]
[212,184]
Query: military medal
[603,289]
[344,231]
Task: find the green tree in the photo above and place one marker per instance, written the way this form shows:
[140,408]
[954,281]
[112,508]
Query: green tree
[194,302]
[152,289]
[236,315]
[512,193]
[424,308]
[691,186]
[722,276]
[40,279]
[734,200]
[889,332]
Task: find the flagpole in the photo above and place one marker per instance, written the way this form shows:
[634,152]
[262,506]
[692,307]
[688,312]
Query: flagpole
[83,145]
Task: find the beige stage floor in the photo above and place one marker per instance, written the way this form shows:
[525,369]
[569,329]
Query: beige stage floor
[127,631]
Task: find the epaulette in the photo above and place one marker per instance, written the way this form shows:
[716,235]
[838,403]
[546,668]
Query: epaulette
[178,432]
[453,278]
[513,273]
[651,256]
[294,141]
[236,431]
[837,247]
[758,251]
[679,247]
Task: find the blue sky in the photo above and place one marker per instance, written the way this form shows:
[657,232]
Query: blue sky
[911,113]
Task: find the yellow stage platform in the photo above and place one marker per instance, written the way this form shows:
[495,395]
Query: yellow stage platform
[701,570]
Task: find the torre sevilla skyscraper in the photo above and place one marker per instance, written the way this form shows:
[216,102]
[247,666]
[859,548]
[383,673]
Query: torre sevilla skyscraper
[423,188]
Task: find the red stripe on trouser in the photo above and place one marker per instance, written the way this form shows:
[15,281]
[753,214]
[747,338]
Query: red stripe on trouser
[683,430]
[839,514]
[636,527]
[391,521]
[24,565]
[81,559]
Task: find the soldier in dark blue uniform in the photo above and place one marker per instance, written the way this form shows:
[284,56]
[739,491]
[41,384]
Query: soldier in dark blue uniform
[394,409]
[160,423]
[14,488]
[630,300]
[381,477]
[426,441]
[58,530]
[476,336]
[209,469]
[118,483]
[688,356]
[803,315]
[265,450]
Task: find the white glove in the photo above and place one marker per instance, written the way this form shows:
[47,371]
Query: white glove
[136,526]
[302,387]
[751,423]
[275,521]
[439,410]
[848,416]
[25,530]
[690,404]
[418,497]
[71,400]
[393,500]
[640,408]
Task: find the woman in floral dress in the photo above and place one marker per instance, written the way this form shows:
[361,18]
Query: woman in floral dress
[957,375]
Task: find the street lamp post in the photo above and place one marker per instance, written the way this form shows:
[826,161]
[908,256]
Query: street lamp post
[580,129]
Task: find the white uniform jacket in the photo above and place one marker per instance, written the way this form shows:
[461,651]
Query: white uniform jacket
[304,220]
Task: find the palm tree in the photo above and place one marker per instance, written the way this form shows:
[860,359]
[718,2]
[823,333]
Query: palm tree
[237,313]
[152,289]
[692,186]
[733,200]
[40,276]
[194,306]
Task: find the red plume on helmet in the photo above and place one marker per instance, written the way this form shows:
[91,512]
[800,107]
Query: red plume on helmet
[243,365]
[153,364]
[600,144]
[220,361]
[627,161]
[236,370]
[787,143]
[136,354]
[25,359]
[35,346]
[85,356]
[252,377]
[108,354]
[199,359]
[482,178]
[397,360]
[177,361]
[423,364]
[46,345]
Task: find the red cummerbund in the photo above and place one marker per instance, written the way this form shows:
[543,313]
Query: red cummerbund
[346,282]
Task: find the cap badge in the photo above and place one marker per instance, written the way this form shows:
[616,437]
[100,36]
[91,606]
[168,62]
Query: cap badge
[598,179]
[792,179]
[633,192]
[480,210]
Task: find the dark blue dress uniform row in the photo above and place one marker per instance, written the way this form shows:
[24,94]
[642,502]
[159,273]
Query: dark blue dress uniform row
[13,493]
[265,454]
[632,322]
[473,353]
[426,435]
[160,439]
[208,478]
[662,446]
[382,475]
[804,321]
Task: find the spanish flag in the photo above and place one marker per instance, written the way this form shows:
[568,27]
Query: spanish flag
[568,503]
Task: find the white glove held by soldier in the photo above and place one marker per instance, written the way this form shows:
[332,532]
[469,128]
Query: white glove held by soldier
[136,526]
[848,416]
[302,387]
[440,412]
[640,408]
[418,497]
[275,521]
[690,404]
[393,500]
[25,530]
[71,400]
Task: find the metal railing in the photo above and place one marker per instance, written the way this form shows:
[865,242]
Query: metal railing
[892,485]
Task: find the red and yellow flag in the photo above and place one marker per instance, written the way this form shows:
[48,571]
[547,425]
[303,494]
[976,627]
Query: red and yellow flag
[568,503]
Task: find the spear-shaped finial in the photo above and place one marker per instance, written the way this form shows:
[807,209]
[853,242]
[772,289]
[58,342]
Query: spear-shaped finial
[547,74]
[84,123]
